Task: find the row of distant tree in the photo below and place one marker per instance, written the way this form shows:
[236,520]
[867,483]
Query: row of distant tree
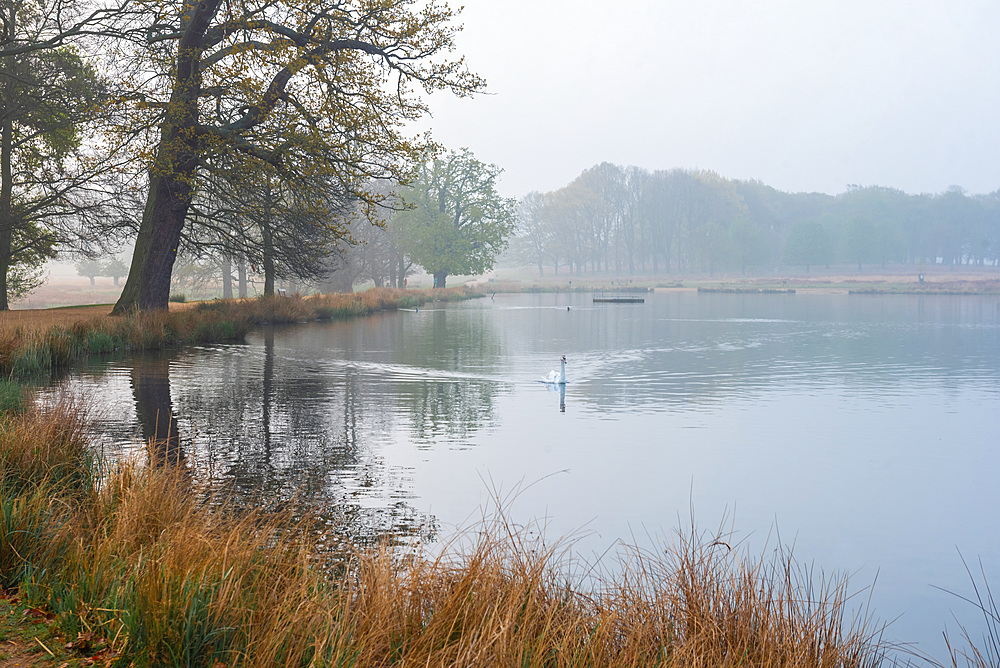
[446,219]
[449,219]
[628,220]
[91,268]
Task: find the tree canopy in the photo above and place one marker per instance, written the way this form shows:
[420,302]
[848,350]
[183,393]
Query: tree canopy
[456,222]
[312,88]
[46,95]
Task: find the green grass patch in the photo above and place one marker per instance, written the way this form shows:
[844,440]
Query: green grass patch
[100,343]
[13,397]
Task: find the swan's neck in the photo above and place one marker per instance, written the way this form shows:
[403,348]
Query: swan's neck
[562,371]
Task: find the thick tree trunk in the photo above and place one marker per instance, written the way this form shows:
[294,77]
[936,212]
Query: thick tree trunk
[439,278]
[268,260]
[148,284]
[268,241]
[227,278]
[173,171]
[241,273]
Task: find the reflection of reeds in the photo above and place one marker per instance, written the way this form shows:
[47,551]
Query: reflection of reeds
[135,559]
[25,350]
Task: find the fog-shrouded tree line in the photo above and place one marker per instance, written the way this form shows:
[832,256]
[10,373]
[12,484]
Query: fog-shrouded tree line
[252,142]
[628,221]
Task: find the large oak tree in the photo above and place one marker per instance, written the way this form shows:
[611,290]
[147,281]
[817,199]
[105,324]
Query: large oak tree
[456,222]
[308,87]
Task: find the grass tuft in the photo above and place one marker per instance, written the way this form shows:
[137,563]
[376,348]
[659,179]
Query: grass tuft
[13,399]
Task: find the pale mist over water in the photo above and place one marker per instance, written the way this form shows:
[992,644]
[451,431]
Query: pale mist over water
[859,428]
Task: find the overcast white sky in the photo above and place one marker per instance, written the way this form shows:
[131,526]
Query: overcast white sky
[804,95]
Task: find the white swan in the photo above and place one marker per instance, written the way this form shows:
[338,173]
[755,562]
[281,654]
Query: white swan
[555,378]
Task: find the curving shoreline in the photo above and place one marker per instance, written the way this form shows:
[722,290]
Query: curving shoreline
[37,341]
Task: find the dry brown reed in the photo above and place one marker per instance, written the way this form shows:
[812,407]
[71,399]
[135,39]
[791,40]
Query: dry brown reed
[139,559]
[334,306]
[983,652]
[26,350]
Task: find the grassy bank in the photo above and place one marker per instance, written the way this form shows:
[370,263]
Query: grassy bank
[27,348]
[131,565]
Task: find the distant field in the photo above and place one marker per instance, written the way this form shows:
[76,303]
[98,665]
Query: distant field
[77,291]
[71,291]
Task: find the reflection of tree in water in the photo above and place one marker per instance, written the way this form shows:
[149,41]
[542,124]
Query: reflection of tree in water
[151,388]
[452,408]
[435,368]
[269,435]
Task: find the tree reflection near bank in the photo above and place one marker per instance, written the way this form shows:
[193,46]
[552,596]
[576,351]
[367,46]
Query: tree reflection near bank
[155,413]
[266,433]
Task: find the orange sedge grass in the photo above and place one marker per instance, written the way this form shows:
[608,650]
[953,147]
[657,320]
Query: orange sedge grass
[26,349]
[137,558]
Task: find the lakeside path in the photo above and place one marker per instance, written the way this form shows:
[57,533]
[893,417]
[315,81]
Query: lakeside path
[43,318]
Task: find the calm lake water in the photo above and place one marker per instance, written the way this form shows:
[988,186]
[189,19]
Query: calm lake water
[863,429]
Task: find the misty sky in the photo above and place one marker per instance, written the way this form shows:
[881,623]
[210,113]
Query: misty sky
[803,95]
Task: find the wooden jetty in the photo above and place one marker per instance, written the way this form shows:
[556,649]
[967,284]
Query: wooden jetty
[602,298]
[619,300]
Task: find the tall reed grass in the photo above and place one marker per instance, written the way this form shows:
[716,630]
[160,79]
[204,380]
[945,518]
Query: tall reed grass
[973,652]
[281,310]
[136,559]
[26,350]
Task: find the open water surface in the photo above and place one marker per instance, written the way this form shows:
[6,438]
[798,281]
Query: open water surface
[862,429]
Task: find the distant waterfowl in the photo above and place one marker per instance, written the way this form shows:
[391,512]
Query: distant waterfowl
[557,378]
